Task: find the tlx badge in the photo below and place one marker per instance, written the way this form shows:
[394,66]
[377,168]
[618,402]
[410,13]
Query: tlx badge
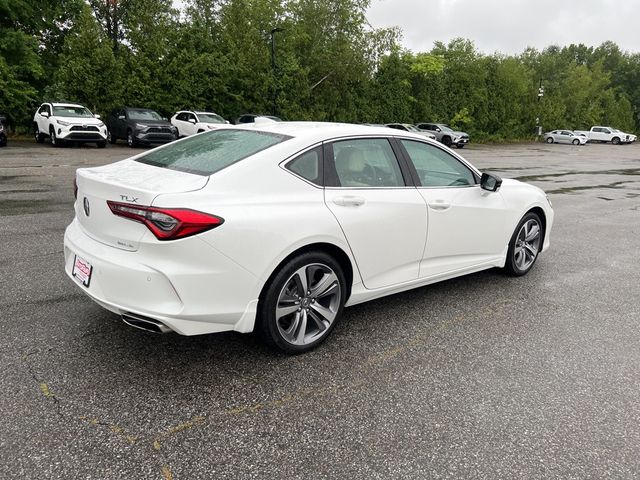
[127,198]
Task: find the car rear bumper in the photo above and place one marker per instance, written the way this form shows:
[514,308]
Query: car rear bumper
[191,289]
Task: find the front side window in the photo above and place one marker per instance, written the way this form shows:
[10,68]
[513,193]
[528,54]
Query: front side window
[212,151]
[366,162]
[437,168]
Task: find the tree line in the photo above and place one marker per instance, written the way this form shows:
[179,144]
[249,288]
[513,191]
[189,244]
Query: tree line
[329,65]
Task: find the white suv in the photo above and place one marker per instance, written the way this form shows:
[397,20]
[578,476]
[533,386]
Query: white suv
[67,122]
[190,123]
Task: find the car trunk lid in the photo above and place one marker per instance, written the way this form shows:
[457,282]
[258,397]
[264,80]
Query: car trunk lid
[127,182]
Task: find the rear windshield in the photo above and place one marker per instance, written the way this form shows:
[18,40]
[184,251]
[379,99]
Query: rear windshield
[207,153]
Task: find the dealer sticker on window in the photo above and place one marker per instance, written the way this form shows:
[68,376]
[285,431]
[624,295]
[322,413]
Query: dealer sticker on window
[82,270]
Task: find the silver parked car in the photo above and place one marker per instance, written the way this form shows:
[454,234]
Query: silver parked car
[445,134]
[565,136]
[407,127]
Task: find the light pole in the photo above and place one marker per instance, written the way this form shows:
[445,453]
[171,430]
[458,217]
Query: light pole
[274,67]
[540,95]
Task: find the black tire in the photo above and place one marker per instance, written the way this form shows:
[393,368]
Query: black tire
[101,144]
[615,141]
[53,138]
[576,142]
[270,329]
[111,138]
[514,266]
[549,140]
[131,141]
[39,136]
[461,145]
[446,140]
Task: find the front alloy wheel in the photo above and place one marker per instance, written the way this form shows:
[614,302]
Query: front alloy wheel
[302,303]
[524,246]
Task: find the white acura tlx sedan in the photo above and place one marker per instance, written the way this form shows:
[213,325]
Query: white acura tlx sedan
[277,227]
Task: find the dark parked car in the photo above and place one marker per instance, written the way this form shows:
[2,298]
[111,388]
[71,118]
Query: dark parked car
[3,131]
[255,118]
[139,126]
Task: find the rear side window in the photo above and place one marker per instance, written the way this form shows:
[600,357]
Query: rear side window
[308,166]
[210,152]
[366,162]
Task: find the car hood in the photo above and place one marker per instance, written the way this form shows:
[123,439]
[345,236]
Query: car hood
[80,120]
[153,123]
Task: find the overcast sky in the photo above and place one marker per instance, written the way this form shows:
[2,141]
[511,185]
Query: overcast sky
[510,26]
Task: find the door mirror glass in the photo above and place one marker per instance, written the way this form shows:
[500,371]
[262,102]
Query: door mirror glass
[45,114]
[490,182]
[192,120]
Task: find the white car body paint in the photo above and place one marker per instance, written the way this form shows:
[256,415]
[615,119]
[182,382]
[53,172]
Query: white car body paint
[394,238]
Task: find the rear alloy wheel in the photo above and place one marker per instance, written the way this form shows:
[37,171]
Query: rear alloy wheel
[576,142]
[524,246]
[38,136]
[549,139]
[302,303]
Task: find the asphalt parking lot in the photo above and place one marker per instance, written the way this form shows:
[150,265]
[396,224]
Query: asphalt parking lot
[484,376]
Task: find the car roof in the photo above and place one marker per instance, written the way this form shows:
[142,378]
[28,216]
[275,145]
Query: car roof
[55,104]
[319,131]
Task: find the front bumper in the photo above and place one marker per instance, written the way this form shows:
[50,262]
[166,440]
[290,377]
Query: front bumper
[81,133]
[186,285]
[155,135]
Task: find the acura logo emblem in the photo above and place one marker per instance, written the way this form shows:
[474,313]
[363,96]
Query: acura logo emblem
[85,204]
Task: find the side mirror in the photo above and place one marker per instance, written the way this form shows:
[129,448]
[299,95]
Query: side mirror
[97,116]
[120,117]
[192,120]
[438,130]
[45,114]
[490,182]
[227,122]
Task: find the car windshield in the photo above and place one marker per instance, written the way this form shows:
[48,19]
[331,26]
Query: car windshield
[143,115]
[445,128]
[210,152]
[411,128]
[71,111]
[210,118]
[615,130]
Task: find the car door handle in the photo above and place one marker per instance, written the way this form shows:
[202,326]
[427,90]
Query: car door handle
[439,205]
[349,201]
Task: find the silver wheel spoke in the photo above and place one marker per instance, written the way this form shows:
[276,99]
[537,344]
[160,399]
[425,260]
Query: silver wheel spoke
[323,312]
[533,233]
[319,321]
[300,277]
[283,311]
[531,250]
[328,282]
[302,329]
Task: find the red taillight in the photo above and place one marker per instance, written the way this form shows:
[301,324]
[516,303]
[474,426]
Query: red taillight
[167,223]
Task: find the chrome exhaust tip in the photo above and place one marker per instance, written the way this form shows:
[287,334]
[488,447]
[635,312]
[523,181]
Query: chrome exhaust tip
[145,323]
